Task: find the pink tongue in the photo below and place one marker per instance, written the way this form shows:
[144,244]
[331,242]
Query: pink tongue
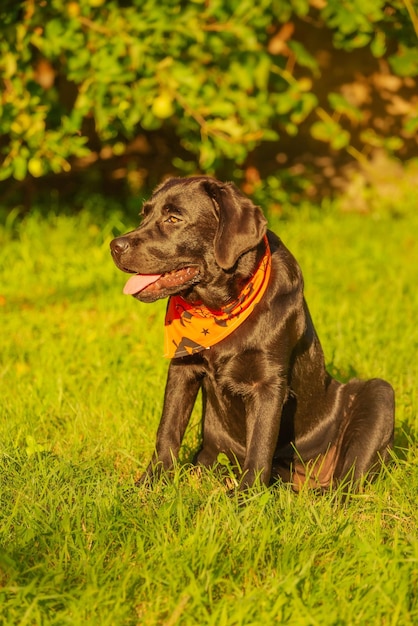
[138,282]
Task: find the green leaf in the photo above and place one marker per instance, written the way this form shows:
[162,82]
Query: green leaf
[360,40]
[54,29]
[285,103]
[207,156]
[341,139]
[6,171]
[330,132]
[20,167]
[341,105]
[369,137]
[229,126]
[394,143]
[303,57]
[411,125]
[262,72]
[321,131]
[378,45]
[405,62]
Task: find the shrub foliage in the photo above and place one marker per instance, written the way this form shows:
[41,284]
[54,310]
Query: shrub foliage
[82,80]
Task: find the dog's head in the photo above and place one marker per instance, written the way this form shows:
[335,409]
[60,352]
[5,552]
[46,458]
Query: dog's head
[193,231]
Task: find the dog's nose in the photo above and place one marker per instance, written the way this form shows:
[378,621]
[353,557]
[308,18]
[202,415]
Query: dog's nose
[119,245]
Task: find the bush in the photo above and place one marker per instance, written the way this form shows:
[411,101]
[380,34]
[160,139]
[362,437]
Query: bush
[83,79]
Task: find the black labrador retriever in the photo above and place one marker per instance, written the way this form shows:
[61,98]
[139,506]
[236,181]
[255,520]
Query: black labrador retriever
[238,328]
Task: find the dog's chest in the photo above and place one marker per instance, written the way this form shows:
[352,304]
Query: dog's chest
[231,375]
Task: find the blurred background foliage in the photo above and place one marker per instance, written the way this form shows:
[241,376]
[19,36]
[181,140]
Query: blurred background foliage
[292,99]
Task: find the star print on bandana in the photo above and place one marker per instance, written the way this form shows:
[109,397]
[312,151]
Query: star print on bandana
[192,328]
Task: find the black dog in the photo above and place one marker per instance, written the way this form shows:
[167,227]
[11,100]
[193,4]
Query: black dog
[238,327]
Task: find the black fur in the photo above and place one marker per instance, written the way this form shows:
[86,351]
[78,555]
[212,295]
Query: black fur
[268,402]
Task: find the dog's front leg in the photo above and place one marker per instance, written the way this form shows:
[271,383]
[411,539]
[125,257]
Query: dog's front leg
[180,394]
[262,424]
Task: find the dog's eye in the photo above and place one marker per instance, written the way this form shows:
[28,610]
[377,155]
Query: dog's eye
[172,219]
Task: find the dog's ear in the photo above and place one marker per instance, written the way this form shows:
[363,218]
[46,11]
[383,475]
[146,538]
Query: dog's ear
[241,226]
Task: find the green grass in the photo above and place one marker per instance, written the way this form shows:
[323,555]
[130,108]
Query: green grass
[81,386]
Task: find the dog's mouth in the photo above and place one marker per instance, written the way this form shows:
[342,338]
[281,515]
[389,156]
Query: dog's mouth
[158,285]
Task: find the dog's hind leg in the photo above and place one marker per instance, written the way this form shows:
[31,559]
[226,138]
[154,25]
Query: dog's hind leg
[368,429]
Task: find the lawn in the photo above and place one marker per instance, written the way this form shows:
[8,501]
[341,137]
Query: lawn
[81,386]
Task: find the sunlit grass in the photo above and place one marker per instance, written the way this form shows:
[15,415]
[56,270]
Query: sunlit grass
[81,385]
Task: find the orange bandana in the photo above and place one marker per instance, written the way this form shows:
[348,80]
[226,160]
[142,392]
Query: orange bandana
[192,328]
